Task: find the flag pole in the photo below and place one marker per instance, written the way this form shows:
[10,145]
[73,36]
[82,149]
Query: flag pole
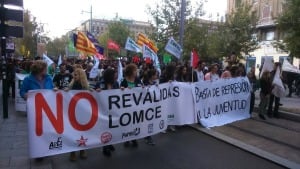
[192,74]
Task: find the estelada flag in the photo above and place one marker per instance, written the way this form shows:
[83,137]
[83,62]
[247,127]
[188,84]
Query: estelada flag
[83,44]
[113,45]
[194,59]
[143,40]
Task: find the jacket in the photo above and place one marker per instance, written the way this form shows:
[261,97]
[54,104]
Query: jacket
[31,83]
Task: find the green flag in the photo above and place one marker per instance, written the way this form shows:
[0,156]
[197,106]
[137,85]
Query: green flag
[167,58]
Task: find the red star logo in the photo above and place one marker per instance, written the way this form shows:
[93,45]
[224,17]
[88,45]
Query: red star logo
[82,141]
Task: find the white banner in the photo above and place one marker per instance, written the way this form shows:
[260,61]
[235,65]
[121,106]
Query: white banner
[174,48]
[61,121]
[286,66]
[181,109]
[222,101]
[20,103]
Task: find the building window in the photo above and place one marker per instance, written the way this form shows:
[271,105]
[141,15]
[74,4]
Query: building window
[238,3]
[270,35]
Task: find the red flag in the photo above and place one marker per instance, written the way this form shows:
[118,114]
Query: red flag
[194,59]
[113,45]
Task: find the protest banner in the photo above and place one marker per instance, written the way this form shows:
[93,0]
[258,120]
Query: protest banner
[222,101]
[180,107]
[20,103]
[60,122]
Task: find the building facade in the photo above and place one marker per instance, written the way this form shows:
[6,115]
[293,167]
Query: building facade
[100,26]
[267,32]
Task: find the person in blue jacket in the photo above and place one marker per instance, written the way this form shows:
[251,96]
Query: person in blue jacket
[38,79]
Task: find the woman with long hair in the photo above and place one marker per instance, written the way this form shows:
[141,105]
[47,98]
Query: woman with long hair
[79,82]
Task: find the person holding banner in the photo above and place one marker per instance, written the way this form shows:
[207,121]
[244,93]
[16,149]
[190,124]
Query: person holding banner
[200,71]
[274,112]
[79,82]
[182,75]
[63,78]
[38,79]
[212,75]
[149,78]
[167,77]
[265,92]
[130,81]
[109,82]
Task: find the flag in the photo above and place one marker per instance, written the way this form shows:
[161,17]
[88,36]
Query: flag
[148,53]
[59,60]
[132,46]
[143,40]
[83,44]
[113,45]
[120,72]
[167,58]
[194,59]
[174,48]
[94,70]
[92,38]
[278,88]
[286,66]
[268,65]
[47,60]
[135,59]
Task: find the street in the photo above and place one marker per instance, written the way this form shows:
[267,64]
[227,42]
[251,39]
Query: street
[184,149]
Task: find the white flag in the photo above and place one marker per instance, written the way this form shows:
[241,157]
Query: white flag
[132,46]
[94,70]
[174,48]
[47,60]
[120,72]
[59,60]
[287,67]
[148,53]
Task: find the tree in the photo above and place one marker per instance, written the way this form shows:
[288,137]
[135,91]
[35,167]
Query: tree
[118,32]
[288,23]
[166,17]
[27,46]
[57,46]
[239,29]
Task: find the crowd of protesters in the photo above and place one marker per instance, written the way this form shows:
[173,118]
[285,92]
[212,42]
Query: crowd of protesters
[74,74]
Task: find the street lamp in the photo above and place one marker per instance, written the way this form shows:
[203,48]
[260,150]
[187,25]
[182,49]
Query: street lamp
[91,19]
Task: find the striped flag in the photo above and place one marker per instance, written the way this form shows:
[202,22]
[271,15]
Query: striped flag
[83,44]
[143,40]
[92,38]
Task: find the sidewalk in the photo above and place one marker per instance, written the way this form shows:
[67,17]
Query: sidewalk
[290,108]
[14,140]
